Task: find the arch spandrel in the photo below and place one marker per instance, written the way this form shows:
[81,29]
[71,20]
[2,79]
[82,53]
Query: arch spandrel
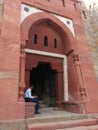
[34,19]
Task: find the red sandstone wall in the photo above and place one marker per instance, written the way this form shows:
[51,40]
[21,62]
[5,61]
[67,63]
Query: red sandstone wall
[87,68]
[9,62]
[10,108]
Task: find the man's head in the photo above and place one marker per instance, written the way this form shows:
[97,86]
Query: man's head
[31,86]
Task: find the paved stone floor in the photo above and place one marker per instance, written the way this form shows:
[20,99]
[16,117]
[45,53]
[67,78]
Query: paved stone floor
[54,112]
[51,112]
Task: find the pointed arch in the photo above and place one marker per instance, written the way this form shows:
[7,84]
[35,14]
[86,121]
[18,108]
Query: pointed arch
[36,18]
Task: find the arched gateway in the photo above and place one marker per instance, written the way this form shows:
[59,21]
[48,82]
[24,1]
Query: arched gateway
[50,62]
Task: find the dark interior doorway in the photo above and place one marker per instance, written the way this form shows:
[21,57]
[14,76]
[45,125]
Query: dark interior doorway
[44,80]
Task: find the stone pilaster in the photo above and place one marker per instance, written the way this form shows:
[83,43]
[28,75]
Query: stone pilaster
[81,82]
[22,72]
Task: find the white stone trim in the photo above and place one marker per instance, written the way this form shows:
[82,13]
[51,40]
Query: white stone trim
[64,66]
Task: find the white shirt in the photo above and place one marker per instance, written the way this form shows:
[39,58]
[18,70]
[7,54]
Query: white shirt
[28,93]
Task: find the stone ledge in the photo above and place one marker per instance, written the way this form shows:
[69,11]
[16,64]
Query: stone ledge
[62,124]
[29,109]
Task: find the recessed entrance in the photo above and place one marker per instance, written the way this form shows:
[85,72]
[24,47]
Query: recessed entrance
[44,80]
[60,53]
[46,62]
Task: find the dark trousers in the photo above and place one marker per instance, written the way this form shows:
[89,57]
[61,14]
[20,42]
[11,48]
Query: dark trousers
[33,100]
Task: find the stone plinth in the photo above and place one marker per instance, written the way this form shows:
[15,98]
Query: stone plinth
[29,109]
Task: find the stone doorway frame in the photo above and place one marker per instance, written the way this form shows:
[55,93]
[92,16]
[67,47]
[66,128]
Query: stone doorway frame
[65,77]
[32,20]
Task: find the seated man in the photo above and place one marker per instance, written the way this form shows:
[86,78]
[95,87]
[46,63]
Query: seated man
[30,98]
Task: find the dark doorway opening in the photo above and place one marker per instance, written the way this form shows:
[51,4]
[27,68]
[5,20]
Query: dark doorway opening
[44,80]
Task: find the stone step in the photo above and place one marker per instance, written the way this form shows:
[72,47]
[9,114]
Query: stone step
[75,128]
[84,124]
[93,127]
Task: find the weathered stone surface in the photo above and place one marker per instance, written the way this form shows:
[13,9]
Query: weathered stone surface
[91,28]
[14,39]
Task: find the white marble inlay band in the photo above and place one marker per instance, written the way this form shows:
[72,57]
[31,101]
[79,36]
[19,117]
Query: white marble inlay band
[31,10]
